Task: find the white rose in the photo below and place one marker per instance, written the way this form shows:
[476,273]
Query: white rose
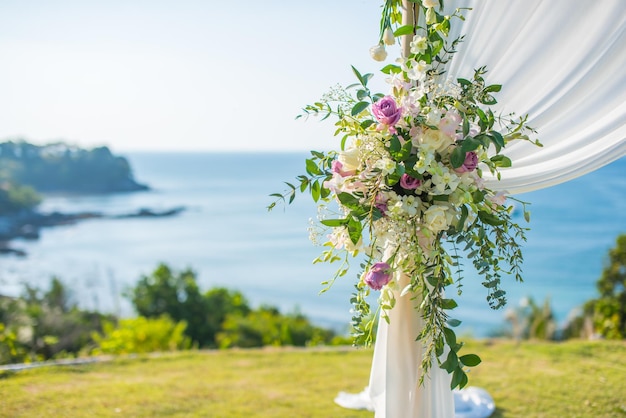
[435,140]
[349,159]
[378,52]
[436,218]
[388,37]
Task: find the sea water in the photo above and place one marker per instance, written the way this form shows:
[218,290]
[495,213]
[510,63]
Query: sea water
[227,236]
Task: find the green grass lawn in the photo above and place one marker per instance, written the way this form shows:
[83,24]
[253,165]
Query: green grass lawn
[534,379]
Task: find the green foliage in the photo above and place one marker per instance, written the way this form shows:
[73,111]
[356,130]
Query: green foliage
[14,197]
[178,296]
[60,167]
[267,326]
[609,310]
[141,335]
[45,325]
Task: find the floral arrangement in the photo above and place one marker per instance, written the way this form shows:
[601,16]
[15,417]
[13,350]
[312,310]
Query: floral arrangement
[405,190]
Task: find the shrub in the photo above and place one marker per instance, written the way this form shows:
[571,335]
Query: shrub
[141,335]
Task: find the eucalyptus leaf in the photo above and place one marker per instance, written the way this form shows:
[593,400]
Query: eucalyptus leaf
[359,107]
[470,360]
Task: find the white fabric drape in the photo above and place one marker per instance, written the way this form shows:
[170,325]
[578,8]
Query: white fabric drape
[562,62]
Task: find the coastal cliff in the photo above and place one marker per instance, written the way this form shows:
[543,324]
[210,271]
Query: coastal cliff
[28,172]
[62,168]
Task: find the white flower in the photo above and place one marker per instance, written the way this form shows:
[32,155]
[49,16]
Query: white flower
[433,117]
[445,181]
[417,70]
[425,159]
[437,218]
[349,159]
[430,3]
[388,37]
[434,139]
[378,52]
[410,103]
[340,238]
[386,165]
[418,44]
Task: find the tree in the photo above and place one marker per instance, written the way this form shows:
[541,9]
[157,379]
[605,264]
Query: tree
[609,310]
[178,296]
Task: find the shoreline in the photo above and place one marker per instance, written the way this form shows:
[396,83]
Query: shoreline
[27,224]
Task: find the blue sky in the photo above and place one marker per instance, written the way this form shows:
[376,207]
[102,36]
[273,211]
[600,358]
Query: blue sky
[178,75]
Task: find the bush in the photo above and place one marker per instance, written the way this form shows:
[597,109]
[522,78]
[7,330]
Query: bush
[178,295]
[46,325]
[141,335]
[266,326]
[609,310]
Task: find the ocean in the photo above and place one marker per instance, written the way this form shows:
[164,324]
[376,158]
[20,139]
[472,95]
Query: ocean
[227,236]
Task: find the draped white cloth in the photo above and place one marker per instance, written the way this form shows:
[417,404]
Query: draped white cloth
[562,62]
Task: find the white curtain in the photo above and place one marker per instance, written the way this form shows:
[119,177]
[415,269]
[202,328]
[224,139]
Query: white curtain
[562,62]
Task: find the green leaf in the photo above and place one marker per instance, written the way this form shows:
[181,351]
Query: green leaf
[312,168]
[463,218]
[357,74]
[334,222]
[470,144]
[494,88]
[404,30]
[448,304]
[453,322]
[457,157]
[464,82]
[395,145]
[497,138]
[348,200]
[354,230]
[391,69]
[470,360]
[450,336]
[501,161]
[315,191]
[459,378]
[362,94]
[358,108]
[451,363]
[367,123]
[488,100]
[490,218]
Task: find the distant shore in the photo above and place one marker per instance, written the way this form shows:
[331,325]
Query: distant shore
[27,224]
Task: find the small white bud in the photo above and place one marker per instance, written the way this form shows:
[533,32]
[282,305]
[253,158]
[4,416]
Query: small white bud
[378,52]
[388,37]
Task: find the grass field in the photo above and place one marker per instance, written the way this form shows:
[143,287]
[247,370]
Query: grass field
[533,379]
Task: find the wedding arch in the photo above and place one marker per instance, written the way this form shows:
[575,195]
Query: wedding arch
[561,63]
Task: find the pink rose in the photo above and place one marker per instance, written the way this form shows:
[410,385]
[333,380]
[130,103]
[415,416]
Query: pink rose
[409,183]
[378,275]
[387,111]
[449,123]
[470,163]
[337,167]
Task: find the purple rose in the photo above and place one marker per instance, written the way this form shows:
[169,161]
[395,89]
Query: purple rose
[409,183]
[387,111]
[470,163]
[378,275]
